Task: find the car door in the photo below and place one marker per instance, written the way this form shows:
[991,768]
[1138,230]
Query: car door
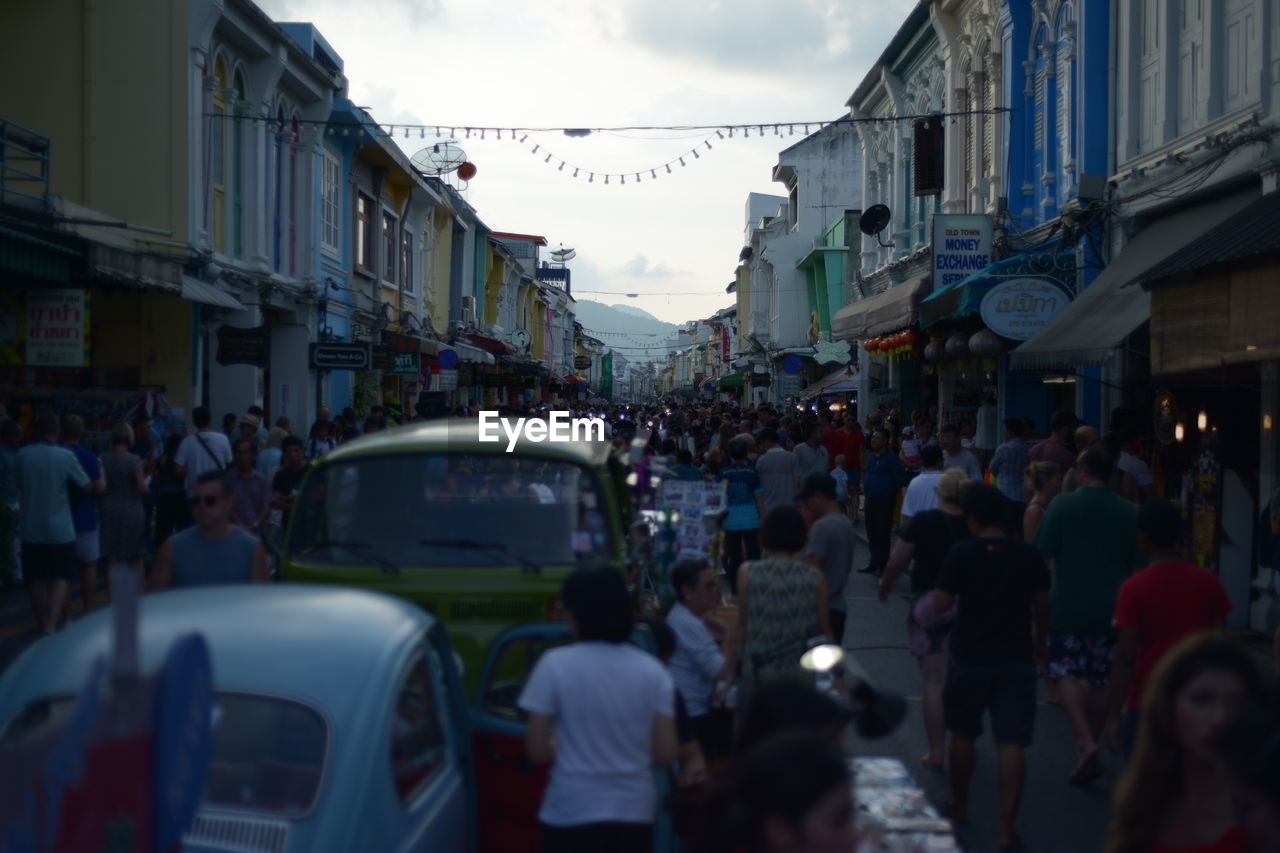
[509,787]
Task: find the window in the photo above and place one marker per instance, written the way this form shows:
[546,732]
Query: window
[417,734]
[329,205]
[295,145]
[406,261]
[513,663]
[390,248]
[218,153]
[277,217]
[237,166]
[364,232]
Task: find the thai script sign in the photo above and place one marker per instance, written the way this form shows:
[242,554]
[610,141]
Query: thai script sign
[1020,307]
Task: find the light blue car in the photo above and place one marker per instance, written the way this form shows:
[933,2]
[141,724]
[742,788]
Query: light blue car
[340,720]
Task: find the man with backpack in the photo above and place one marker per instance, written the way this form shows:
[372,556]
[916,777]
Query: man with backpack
[206,450]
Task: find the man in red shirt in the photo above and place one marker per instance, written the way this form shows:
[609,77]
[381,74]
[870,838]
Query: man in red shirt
[832,438]
[1155,608]
[853,452]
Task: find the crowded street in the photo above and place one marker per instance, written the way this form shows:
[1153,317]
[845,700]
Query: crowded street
[463,426]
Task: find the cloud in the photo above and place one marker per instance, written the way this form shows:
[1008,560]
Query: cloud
[797,39]
[640,267]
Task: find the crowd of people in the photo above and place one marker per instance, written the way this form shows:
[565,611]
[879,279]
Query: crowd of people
[180,510]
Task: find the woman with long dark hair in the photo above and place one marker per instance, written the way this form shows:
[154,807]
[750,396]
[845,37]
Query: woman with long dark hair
[1174,795]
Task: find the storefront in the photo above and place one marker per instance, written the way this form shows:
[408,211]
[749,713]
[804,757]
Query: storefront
[883,375]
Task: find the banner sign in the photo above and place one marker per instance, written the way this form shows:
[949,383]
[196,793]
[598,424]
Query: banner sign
[961,246]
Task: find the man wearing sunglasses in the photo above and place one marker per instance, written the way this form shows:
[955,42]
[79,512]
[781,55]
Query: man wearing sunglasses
[213,551]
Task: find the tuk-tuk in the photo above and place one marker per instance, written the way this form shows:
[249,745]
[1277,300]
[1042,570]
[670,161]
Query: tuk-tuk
[480,537]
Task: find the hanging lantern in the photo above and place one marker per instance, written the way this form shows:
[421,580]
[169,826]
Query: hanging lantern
[911,338]
[986,344]
[869,345]
[467,171]
[957,345]
[934,351]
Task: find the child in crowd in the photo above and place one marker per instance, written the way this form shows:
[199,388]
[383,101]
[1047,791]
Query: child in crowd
[841,477]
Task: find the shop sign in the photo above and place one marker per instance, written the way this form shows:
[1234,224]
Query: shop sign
[361,332]
[341,356]
[831,352]
[382,359]
[57,328]
[724,343]
[446,380]
[790,385]
[242,346]
[405,363]
[581,362]
[961,246]
[1020,307]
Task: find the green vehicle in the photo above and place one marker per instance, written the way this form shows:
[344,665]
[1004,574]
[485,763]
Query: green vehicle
[480,537]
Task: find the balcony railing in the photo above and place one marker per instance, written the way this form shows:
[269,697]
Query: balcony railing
[24,166]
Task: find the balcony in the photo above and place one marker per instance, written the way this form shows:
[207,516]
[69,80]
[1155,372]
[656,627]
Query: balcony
[24,167]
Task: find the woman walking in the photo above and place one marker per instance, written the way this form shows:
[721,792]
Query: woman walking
[1044,481]
[1174,793]
[124,520]
[782,602]
[927,539]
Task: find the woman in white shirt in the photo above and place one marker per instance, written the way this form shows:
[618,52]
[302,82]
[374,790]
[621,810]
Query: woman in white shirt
[602,713]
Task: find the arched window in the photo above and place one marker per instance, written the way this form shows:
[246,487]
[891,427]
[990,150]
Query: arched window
[237,165]
[277,136]
[218,153]
[1065,79]
[1044,173]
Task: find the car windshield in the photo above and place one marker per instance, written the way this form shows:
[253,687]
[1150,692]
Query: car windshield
[455,509]
[267,753]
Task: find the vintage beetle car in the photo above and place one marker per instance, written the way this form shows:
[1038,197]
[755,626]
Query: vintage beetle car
[480,537]
[340,721]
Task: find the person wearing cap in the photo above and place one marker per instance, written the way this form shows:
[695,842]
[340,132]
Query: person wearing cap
[830,545]
[249,425]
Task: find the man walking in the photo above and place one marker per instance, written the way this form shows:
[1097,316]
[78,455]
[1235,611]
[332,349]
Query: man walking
[811,454]
[1004,586]
[779,473]
[1057,447]
[956,456]
[1009,465]
[84,512]
[744,500]
[293,466]
[1092,537]
[1086,436]
[831,543]
[702,666]
[204,450]
[44,472]
[250,491]
[921,491]
[1157,607]
[884,477]
[853,454]
[213,551]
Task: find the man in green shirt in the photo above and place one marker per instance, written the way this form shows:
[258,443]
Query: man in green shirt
[1091,535]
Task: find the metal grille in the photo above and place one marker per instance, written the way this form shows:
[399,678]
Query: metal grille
[236,834]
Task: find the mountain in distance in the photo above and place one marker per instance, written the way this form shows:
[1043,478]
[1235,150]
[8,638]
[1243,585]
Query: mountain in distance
[632,328]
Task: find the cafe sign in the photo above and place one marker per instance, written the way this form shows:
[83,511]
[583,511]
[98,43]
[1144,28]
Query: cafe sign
[1020,307]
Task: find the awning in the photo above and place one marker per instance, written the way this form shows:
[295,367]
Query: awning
[896,308]
[27,255]
[201,291]
[475,355]
[733,380]
[963,298]
[400,342]
[571,379]
[492,345]
[1089,330]
[1251,233]
[826,385]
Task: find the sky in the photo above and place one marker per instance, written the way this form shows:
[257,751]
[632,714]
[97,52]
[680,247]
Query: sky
[673,241]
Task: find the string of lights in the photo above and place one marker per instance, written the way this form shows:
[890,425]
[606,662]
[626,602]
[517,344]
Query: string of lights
[652,172]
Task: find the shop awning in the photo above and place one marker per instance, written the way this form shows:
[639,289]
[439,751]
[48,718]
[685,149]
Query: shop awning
[571,379]
[963,298]
[826,384]
[896,308]
[1252,232]
[196,290]
[400,342]
[492,345]
[29,255]
[1089,330]
[733,380]
[472,354]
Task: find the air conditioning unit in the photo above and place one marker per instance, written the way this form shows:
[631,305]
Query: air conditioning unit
[469,310]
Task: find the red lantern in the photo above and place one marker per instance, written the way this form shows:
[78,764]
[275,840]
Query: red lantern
[467,171]
[911,339]
[869,344]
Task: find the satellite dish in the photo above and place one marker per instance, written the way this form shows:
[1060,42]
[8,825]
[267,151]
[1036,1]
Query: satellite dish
[562,255]
[874,220]
[439,159]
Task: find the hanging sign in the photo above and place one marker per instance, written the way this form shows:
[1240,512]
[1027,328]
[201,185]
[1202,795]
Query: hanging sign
[242,346]
[1020,307]
[832,352]
[341,356]
[961,246]
[581,362]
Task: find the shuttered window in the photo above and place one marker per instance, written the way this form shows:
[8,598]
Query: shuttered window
[927,165]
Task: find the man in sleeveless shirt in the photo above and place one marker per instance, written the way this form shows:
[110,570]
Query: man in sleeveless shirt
[213,551]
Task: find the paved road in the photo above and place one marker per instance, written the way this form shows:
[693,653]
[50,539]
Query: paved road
[1054,818]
